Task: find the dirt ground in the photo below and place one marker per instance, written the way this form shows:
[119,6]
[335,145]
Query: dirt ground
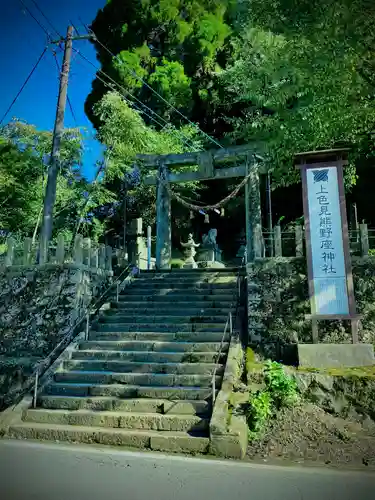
[306,433]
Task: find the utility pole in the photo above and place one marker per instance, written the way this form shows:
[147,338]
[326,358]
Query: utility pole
[50,194]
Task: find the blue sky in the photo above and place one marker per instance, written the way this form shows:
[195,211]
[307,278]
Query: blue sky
[22,41]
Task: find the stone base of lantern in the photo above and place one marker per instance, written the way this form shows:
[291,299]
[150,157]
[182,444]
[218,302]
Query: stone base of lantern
[211,265]
[190,264]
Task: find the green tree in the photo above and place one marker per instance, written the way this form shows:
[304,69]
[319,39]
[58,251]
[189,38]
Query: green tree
[297,96]
[125,134]
[175,46]
[24,160]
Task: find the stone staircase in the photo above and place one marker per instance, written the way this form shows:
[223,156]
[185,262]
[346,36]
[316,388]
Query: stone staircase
[143,377]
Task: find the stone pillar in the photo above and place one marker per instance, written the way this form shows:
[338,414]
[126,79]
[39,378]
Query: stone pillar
[138,247]
[253,206]
[163,222]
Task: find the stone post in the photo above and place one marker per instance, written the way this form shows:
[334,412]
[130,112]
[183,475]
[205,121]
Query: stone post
[78,250]
[94,261]
[27,245]
[60,250]
[139,257]
[10,252]
[86,251]
[277,239]
[102,256]
[364,239]
[299,241]
[108,258]
[163,222]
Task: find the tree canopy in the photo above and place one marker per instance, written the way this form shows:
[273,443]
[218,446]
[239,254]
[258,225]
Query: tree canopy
[173,46]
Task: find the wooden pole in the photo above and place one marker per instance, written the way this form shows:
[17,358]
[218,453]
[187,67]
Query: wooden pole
[50,195]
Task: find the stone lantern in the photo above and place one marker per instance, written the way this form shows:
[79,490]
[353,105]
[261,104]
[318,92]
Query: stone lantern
[190,253]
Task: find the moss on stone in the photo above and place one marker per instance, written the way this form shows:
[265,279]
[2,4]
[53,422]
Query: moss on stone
[360,371]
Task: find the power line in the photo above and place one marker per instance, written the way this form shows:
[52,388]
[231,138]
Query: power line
[156,93]
[24,84]
[133,104]
[46,18]
[75,29]
[35,19]
[184,139]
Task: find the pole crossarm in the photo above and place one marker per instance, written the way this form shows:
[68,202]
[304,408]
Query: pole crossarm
[73,38]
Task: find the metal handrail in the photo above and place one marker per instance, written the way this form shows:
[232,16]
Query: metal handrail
[229,323]
[43,366]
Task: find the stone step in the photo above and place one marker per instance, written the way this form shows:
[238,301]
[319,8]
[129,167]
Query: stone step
[116,419]
[181,285]
[152,346]
[146,439]
[192,272]
[142,379]
[168,306]
[135,296]
[142,367]
[187,280]
[148,357]
[167,328]
[183,293]
[200,336]
[151,317]
[128,391]
[162,406]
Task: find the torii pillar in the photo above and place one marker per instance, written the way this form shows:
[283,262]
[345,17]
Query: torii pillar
[163,221]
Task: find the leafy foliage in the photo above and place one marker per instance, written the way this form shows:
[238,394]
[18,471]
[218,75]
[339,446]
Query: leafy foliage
[125,134]
[174,46]
[283,389]
[260,410]
[24,160]
[280,391]
[290,104]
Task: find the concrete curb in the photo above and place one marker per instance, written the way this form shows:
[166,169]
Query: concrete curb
[228,433]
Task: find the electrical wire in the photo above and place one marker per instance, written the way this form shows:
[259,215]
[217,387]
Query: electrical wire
[24,84]
[184,139]
[157,94]
[35,19]
[46,18]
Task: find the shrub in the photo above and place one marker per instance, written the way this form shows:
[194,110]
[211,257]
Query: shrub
[280,390]
[260,409]
[283,388]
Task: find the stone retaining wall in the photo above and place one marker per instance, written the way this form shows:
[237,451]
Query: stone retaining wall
[38,305]
[278,302]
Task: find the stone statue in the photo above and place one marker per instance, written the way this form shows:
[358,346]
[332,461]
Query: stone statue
[209,239]
[190,253]
[211,253]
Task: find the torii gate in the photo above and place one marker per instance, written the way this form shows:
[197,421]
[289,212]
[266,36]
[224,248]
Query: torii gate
[207,170]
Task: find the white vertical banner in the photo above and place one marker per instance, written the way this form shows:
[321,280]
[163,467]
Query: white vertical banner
[326,240]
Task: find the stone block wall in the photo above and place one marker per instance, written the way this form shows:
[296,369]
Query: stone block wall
[278,302]
[38,306]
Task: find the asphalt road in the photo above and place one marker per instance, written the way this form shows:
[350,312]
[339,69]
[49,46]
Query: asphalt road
[70,472]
